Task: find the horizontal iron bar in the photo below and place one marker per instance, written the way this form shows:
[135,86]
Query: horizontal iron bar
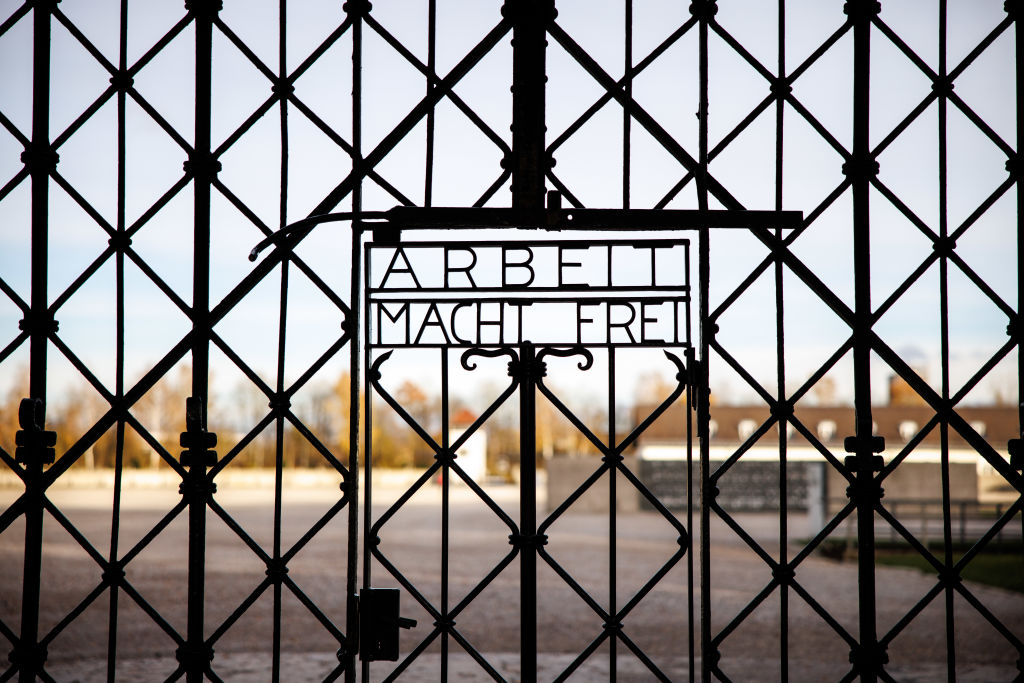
[433,218]
[574,243]
[516,294]
[413,217]
[661,344]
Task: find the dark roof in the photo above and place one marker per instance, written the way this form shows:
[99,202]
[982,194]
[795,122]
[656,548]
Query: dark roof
[997,424]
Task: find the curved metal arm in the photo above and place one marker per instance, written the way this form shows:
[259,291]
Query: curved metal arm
[681,374]
[310,223]
[374,374]
[585,364]
[489,353]
[682,384]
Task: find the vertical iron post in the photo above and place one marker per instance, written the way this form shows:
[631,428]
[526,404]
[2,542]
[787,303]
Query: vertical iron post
[529,32]
[528,509]
[949,592]
[194,656]
[529,165]
[280,399]
[39,158]
[428,172]
[34,449]
[860,168]
[1014,166]
[119,446]
[446,474]
[1016,328]
[709,654]
[351,325]
[612,459]
[627,119]
[780,362]
[691,381]
[203,167]
[704,10]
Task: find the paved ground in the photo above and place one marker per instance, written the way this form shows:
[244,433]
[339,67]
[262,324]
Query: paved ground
[578,543]
[314,666]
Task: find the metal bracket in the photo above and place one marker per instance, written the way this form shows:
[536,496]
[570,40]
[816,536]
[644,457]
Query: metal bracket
[379,623]
[197,442]
[387,234]
[32,441]
[1016,449]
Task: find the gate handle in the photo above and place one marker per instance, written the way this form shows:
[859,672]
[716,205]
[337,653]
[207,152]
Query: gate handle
[379,622]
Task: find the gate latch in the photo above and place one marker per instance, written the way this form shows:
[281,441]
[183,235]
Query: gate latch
[379,623]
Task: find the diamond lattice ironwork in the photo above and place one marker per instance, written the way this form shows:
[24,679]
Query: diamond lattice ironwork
[130,155]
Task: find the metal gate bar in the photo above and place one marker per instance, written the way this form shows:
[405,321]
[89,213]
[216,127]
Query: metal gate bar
[528,509]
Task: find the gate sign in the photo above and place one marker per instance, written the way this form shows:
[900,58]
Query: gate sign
[607,293]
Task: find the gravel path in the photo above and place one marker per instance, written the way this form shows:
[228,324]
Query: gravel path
[578,543]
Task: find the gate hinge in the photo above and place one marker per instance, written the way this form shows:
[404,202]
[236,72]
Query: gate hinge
[1016,450]
[379,623]
[693,382]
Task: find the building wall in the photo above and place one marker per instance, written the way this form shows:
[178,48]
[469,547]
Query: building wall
[751,485]
[913,481]
[565,475]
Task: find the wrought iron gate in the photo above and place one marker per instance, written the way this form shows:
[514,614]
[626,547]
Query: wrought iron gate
[72,81]
[406,311]
[424,312]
